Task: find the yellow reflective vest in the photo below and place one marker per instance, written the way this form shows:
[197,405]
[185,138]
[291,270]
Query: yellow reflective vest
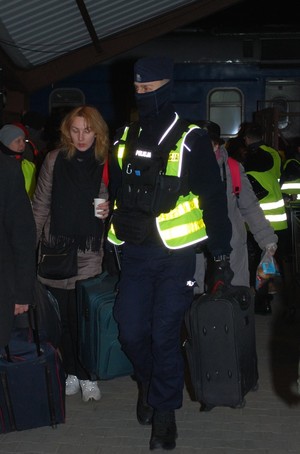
[183,225]
[272,204]
[276,169]
[291,186]
[29,172]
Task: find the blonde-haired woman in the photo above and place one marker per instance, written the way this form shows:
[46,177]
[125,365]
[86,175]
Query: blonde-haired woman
[63,206]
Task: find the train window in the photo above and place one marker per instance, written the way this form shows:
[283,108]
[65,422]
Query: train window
[225,107]
[65,98]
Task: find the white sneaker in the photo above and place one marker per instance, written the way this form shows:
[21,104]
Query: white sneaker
[72,385]
[90,390]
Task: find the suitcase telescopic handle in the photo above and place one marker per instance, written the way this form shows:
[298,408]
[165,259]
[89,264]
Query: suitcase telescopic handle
[35,328]
[117,256]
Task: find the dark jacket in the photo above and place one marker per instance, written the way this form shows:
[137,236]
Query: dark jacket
[17,244]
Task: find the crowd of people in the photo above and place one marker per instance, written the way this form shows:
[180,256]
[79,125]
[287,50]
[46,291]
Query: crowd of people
[170,206]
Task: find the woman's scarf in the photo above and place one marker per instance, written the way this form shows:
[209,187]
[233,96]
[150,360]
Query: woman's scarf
[76,182]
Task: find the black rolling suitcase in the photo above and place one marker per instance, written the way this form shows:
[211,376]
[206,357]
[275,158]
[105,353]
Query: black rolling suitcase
[32,383]
[221,348]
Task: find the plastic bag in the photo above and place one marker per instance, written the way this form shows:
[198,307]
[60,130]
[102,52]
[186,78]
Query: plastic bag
[266,271]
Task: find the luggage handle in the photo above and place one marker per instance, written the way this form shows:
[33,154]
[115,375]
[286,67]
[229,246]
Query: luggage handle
[32,311]
[35,328]
[8,353]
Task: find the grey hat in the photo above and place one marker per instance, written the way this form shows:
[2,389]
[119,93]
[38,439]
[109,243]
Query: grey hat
[8,133]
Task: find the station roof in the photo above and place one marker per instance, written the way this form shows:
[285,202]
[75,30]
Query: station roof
[42,42]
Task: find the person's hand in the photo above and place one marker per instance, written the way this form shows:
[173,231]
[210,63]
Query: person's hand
[21,308]
[102,209]
[222,274]
[271,248]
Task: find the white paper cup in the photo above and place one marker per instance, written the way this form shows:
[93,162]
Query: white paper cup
[96,203]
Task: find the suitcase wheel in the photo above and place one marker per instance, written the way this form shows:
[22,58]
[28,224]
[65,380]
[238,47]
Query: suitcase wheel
[241,405]
[205,407]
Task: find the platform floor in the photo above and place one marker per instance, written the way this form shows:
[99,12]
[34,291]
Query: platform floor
[268,424]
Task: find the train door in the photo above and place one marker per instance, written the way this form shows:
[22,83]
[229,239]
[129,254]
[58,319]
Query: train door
[268,119]
[280,111]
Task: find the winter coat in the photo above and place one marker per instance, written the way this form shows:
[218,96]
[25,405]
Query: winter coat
[244,213]
[89,262]
[17,245]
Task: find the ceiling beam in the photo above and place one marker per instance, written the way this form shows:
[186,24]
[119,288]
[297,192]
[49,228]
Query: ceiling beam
[38,77]
[89,24]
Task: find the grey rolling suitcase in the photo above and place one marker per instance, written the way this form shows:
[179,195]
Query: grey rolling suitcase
[221,348]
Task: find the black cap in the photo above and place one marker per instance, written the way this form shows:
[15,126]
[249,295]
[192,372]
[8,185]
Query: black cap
[149,69]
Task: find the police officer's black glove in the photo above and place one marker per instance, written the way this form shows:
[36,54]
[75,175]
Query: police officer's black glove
[222,274]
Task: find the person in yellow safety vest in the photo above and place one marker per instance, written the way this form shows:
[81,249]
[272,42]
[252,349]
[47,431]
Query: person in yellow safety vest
[244,212]
[290,177]
[163,173]
[12,143]
[263,167]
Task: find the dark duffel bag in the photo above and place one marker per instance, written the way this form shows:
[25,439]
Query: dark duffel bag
[32,383]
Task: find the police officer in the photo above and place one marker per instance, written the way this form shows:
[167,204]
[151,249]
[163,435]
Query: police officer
[290,176]
[163,174]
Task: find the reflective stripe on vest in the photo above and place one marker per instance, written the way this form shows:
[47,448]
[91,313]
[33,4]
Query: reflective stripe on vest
[292,186]
[272,204]
[111,236]
[183,225]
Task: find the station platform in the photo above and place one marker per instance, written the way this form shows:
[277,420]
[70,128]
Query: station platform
[268,424]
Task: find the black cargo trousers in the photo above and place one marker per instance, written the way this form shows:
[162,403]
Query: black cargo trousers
[155,290]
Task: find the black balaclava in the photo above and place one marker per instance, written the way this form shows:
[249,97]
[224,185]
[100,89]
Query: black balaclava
[150,69]
[150,104]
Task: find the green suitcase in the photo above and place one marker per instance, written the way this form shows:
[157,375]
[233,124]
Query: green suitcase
[99,348]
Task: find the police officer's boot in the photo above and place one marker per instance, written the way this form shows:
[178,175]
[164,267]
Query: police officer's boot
[164,430]
[144,412]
